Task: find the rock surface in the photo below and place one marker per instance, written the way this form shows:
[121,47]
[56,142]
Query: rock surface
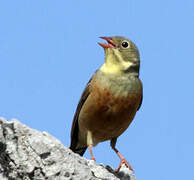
[29,154]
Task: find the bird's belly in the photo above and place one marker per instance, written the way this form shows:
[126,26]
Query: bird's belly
[106,116]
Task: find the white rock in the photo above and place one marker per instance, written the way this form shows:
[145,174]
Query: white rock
[26,153]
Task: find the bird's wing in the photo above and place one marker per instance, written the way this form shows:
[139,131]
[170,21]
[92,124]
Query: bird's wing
[141,95]
[75,127]
[140,102]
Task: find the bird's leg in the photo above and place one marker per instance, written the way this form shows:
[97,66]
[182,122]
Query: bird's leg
[122,159]
[91,152]
[90,144]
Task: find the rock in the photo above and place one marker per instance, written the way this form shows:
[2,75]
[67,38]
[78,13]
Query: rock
[28,154]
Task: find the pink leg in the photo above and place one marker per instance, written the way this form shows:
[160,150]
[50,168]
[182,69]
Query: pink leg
[91,152]
[123,161]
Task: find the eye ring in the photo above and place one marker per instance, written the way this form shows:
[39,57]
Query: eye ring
[125,44]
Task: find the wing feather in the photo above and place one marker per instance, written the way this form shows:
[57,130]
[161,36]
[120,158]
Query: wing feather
[75,126]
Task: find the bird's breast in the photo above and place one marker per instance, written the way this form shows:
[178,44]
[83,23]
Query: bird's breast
[113,100]
[108,110]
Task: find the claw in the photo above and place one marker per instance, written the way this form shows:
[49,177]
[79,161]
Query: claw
[92,158]
[123,161]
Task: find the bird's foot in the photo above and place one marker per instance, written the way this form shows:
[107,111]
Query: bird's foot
[92,158]
[123,161]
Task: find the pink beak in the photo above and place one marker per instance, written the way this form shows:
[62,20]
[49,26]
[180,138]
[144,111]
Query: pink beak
[110,44]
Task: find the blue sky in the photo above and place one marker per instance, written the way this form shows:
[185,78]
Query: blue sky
[49,50]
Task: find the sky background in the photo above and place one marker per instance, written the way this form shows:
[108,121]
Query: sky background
[49,50]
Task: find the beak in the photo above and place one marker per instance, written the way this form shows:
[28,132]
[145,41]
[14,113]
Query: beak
[110,44]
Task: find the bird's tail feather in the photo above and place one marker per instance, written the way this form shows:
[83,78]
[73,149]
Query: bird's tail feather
[79,151]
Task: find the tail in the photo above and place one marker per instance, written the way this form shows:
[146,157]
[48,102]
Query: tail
[79,151]
[75,147]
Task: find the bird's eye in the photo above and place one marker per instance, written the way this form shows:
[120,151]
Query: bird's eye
[125,44]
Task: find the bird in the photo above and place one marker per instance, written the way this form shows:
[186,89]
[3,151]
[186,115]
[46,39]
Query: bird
[110,99]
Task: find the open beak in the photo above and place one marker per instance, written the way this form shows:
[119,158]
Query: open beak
[110,44]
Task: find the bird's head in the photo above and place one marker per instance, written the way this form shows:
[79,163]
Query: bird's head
[121,56]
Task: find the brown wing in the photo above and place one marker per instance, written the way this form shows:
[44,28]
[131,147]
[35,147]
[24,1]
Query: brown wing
[141,96]
[75,127]
[140,102]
